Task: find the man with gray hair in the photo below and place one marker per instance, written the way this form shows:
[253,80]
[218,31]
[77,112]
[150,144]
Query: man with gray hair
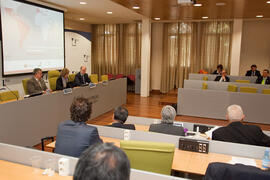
[166,126]
[237,132]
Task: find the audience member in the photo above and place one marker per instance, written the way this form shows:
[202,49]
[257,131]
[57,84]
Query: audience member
[166,126]
[223,77]
[82,78]
[253,71]
[74,136]
[219,69]
[119,118]
[237,132]
[102,162]
[63,82]
[264,79]
[36,84]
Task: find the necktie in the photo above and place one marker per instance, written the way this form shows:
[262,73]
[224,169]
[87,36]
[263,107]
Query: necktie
[263,81]
[83,79]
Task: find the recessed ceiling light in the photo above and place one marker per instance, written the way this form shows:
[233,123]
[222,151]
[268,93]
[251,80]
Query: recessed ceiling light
[197,5]
[205,17]
[82,2]
[82,19]
[259,16]
[135,7]
[109,12]
[268,2]
[221,4]
[157,19]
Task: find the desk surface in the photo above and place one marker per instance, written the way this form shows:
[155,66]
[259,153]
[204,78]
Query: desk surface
[185,161]
[13,171]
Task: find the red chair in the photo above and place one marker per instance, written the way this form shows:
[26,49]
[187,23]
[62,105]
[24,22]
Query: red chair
[131,77]
[118,76]
[131,83]
[110,76]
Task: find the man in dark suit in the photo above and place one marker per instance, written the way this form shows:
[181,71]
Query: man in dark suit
[253,71]
[119,117]
[74,136]
[237,132]
[219,69]
[223,77]
[82,78]
[36,84]
[166,126]
[264,79]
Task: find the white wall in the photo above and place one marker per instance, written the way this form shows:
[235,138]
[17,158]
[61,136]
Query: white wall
[156,55]
[255,45]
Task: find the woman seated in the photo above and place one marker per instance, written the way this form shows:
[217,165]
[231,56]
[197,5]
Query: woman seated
[62,81]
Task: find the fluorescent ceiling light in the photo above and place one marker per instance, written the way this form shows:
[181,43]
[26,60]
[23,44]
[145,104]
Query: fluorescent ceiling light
[268,2]
[82,2]
[259,16]
[197,5]
[82,19]
[109,12]
[135,7]
[157,19]
[205,17]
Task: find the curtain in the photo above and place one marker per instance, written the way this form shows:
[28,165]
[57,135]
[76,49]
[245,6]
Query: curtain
[116,48]
[215,45]
[179,54]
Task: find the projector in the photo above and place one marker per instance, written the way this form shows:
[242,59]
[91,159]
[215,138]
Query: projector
[186,2]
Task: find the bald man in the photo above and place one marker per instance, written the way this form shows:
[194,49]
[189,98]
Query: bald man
[82,78]
[236,132]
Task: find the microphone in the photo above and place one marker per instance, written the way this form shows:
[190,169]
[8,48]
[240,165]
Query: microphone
[10,90]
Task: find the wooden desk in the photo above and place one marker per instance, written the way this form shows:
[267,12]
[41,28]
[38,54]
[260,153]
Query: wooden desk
[14,171]
[141,127]
[185,161]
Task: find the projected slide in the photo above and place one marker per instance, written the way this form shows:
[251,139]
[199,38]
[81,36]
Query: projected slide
[32,37]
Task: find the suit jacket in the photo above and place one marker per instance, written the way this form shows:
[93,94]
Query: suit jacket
[221,171]
[167,129]
[75,137]
[123,126]
[257,73]
[216,72]
[60,86]
[219,77]
[260,79]
[34,87]
[79,79]
[236,132]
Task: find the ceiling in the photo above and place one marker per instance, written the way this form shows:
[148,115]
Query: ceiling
[170,10]
[94,12]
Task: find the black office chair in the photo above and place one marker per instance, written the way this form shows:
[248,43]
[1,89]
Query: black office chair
[46,139]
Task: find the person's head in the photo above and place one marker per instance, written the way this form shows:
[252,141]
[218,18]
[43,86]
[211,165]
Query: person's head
[120,114]
[37,73]
[253,67]
[220,67]
[102,162]
[83,70]
[168,114]
[64,73]
[224,72]
[80,109]
[234,113]
[265,73]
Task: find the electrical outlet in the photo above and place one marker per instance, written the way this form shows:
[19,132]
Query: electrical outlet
[194,145]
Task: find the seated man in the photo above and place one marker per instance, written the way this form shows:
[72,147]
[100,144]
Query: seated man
[74,136]
[36,84]
[264,79]
[102,162]
[219,69]
[119,117]
[253,71]
[223,77]
[82,78]
[237,132]
[166,126]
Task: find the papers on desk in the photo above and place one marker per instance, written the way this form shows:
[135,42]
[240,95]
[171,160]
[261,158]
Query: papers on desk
[245,161]
[210,132]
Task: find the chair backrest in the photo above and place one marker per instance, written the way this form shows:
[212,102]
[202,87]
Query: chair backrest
[248,90]
[266,91]
[131,77]
[242,81]
[204,86]
[71,77]
[205,78]
[52,82]
[53,73]
[118,76]
[24,83]
[232,88]
[104,78]
[94,78]
[6,96]
[149,156]
[110,76]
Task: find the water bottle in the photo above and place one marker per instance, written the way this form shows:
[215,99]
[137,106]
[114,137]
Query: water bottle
[265,159]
